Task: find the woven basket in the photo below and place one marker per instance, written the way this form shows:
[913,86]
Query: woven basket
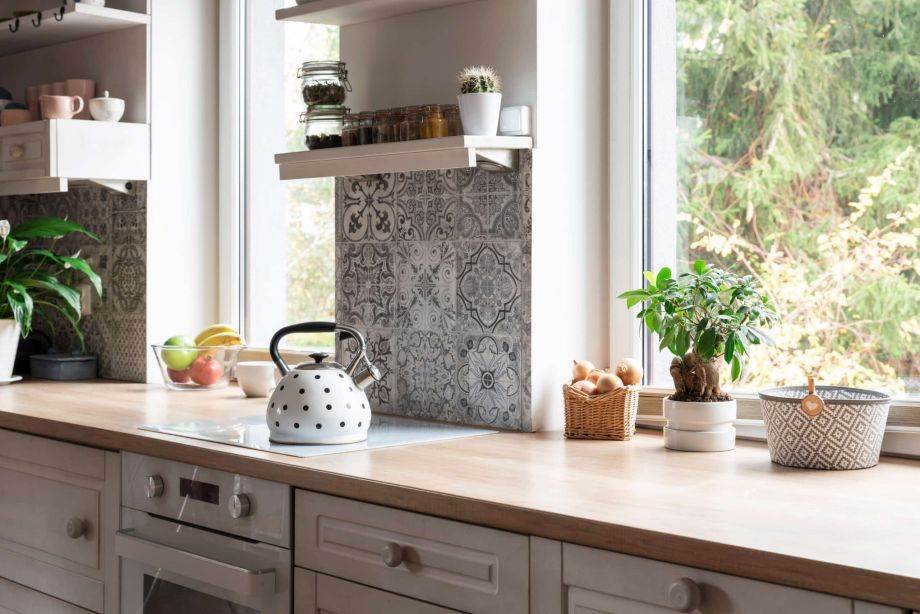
[604,416]
[846,435]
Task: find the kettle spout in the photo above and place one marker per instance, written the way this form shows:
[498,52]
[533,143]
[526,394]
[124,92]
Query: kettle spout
[367,376]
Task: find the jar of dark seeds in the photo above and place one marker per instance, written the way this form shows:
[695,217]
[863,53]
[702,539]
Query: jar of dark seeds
[324,83]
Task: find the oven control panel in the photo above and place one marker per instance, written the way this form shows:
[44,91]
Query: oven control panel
[210,498]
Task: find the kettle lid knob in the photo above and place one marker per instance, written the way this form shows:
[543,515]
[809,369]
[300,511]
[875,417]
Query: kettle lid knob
[319,356]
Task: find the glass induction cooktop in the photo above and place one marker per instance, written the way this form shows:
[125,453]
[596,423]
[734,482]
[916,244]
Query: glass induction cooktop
[252,432]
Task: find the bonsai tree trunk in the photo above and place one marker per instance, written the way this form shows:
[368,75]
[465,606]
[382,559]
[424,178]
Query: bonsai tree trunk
[696,379]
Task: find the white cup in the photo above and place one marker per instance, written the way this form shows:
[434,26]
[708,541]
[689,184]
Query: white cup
[256,378]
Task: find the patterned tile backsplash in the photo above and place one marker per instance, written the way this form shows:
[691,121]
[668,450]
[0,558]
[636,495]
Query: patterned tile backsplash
[435,268]
[115,328]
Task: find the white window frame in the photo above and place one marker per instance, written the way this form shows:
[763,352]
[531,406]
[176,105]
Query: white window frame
[630,187]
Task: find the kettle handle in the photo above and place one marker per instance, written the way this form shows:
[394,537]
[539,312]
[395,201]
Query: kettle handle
[313,327]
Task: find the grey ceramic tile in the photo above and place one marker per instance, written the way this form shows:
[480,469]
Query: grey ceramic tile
[489,287]
[489,215]
[366,284]
[426,263]
[366,209]
[490,381]
[425,382]
[381,349]
[426,307]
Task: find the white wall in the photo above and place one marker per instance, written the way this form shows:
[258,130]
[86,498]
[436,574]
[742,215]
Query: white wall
[182,204]
[570,211]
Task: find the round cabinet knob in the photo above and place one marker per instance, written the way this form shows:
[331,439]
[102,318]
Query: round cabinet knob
[153,487]
[392,555]
[239,506]
[684,595]
[76,528]
[17,151]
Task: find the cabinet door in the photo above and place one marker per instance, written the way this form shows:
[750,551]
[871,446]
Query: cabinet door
[861,607]
[319,594]
[18,599]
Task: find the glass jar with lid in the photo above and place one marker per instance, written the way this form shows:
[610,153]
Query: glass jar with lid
[434,124]
[396,118]
[408,127]
[382,126]
[350,130]
[324,126]
[366,128]
[324,82]
[452,115]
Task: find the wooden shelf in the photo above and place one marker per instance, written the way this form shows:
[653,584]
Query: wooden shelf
[422,155]
[80,21]
[347,12]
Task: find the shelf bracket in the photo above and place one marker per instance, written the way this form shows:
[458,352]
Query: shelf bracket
[122,187]
[497,159]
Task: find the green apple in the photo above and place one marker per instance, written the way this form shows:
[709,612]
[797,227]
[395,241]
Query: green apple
[180,359]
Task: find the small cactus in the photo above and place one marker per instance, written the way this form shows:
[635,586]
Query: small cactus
[479,80]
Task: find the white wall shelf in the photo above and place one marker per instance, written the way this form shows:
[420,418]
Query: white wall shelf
[44,156]
[347,12]
[423,155]
[79,21]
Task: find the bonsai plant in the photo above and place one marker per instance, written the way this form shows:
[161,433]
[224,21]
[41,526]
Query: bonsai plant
[37,281]
[706,318]
[480,100]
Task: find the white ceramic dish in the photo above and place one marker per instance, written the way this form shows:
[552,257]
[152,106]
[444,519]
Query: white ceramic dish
[105,109]
[700,441]
[11,380]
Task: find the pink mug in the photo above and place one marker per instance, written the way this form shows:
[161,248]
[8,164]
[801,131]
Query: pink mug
[60,107]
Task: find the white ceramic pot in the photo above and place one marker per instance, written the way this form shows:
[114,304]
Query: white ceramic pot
[479,113]
[105,109]
[700,427]
[9,341]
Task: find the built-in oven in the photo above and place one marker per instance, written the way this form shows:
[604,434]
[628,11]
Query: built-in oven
[202,541]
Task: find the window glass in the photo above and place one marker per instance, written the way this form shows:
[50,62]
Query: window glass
[798,161]
[290,240]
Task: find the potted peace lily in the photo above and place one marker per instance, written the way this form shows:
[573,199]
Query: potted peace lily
[707,318]
[36,281]
[480,100]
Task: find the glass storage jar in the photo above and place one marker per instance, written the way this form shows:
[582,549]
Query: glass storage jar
[408,127]
[382,126]
[324,125]
[350,130]
[434,125]
[324,82]
[396,118]
[452,115]
[366,128]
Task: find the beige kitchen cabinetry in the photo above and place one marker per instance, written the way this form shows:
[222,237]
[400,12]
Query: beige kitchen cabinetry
[319,594]
[451,564]
[57,524]
[861,607]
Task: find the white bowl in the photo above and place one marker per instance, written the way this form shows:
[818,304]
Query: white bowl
[107,109]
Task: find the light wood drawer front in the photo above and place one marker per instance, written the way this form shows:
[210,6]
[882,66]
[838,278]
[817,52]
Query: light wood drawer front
[36,510]
[643,585]
[320,594]
[465,567]
[69,457]
[18,599]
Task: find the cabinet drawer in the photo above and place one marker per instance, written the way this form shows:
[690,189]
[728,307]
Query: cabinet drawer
[25,153]
[18,599]
[318,594]
[465,567]
[36,512]
[601,581]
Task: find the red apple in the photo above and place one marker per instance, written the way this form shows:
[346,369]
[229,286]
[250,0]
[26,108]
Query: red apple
[178,377]
[206,371]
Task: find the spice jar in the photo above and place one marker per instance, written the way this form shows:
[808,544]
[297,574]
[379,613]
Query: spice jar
[324,125]
[324,83]
[396,118]
[350,130]
[452,115]
[366,128]
[434,125]
[408,127]
[382,126]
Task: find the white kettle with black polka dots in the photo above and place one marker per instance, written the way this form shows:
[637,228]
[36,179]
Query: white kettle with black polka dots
[321,402]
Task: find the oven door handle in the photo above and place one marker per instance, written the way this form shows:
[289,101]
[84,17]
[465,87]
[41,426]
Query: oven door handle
[246,581]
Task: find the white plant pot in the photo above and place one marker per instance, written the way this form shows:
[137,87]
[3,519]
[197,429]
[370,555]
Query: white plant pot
[700,427]
[479,113]
[9,341]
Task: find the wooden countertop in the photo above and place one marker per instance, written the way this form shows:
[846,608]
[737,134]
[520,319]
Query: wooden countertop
[851,533]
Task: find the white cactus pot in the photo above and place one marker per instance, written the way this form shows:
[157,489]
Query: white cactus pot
[700,427]
[479,113]
[9,342]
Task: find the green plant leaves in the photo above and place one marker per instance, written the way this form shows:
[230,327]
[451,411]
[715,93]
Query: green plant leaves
[79,264]
[47,228]
[699,266]
[20,302]
[736,369]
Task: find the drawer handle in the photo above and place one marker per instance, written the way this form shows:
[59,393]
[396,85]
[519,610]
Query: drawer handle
[76,528]
[684,595]
[17,151]
[392,555]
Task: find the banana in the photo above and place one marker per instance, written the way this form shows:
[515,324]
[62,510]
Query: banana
[212,330]
[223,338]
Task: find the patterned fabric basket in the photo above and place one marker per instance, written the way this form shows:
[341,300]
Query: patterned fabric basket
[846,435]
[604,416]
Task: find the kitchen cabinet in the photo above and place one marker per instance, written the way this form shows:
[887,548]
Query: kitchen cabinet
[861,607]
[18,599]
[320,594]
[57,522]
[455,565]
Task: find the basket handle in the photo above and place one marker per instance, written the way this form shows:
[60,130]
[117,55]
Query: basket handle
[812,404]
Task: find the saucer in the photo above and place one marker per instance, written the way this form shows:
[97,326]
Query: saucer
[12,380]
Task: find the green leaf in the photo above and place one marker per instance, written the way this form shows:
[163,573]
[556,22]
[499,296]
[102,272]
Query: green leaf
[47,228]
[632,293]
[663,276]
[736,369]
[79,264]
[706,344]
[648,275]
[729,347]
[699,266]
[632,301]
[20,303]
[653,321]
[681,343]
[70,296]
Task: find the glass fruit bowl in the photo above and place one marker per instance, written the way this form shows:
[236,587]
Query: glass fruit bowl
[196,368]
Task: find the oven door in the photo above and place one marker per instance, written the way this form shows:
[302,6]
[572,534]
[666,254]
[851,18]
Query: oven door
[168,567]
